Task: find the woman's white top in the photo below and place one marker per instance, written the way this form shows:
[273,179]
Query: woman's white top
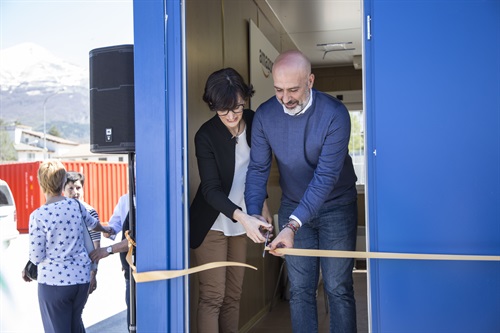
[236,195]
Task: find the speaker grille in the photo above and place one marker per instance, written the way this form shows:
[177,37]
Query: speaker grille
[112,126]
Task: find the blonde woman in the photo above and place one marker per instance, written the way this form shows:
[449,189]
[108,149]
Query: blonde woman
[57,247]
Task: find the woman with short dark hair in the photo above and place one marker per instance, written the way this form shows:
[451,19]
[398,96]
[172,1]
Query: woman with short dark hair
[218,219]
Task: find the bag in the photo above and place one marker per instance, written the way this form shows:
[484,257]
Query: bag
[31,270]
[89,244]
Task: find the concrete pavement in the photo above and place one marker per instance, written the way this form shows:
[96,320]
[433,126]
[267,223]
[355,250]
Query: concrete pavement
[113,324]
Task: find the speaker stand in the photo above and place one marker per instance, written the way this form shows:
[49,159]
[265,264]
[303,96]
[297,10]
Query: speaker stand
[131,191]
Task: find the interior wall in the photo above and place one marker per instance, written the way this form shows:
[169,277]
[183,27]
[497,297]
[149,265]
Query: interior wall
[217,37]
[337,78]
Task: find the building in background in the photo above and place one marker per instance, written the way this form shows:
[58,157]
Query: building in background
[29,146]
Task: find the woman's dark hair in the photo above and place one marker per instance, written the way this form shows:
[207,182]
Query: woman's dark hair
[73,176]
[223,88]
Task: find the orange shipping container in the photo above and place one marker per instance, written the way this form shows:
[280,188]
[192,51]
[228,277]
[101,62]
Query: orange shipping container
[105,182]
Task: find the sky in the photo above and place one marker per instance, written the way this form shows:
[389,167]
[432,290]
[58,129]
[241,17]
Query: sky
[69,29]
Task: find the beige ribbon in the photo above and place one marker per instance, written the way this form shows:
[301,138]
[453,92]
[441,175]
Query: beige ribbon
[382,255]
[166,275]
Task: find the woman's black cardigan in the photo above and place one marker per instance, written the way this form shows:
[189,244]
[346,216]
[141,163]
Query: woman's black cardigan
[215,152]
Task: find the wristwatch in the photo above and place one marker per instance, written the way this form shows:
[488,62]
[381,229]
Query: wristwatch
[109,249]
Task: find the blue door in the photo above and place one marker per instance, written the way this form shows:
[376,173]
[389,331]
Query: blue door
[433,137]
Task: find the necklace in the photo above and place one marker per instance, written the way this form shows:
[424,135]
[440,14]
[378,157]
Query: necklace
[235,136]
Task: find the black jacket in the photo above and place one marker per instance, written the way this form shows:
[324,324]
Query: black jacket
[215,152]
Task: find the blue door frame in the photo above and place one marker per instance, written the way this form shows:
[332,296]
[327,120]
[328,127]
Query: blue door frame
[432,84]
[159,103]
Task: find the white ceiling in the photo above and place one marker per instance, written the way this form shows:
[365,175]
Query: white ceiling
[312,22]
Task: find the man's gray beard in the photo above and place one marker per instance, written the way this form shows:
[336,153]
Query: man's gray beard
[295,111]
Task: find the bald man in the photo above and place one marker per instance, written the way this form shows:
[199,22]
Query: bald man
[308,132]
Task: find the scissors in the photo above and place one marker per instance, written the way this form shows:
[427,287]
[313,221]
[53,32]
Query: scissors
[265,244]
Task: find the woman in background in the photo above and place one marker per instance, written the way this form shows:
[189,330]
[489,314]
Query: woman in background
[73,188]
[56,234]
[218,219]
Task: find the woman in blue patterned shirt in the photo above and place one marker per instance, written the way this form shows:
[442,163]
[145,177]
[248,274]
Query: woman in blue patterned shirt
[57,247]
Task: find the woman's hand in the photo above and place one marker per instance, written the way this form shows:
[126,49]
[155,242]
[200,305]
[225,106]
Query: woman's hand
[25,277]
[253,225]
[93,281]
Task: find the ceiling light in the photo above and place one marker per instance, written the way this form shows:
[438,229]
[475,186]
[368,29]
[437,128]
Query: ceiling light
[357,61]
[339,46]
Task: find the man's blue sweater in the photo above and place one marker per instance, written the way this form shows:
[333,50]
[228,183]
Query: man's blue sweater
[311,151]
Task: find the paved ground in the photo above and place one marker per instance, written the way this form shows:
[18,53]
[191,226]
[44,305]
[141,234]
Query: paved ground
[19,313]
[113,324]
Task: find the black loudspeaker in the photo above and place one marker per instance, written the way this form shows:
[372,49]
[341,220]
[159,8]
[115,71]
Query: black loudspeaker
[112,125]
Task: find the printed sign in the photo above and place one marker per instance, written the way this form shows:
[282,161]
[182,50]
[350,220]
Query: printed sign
[262,55]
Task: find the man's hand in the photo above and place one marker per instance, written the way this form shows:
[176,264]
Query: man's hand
[283,240]
[109,232]
[98,254]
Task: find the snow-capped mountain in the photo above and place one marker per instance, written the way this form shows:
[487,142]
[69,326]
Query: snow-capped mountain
[32,79]
[30,63]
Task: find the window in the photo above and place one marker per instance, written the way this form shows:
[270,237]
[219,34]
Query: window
[357,144]
[353,100]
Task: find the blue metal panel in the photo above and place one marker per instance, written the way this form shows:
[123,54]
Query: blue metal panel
[158,97]
[433,118]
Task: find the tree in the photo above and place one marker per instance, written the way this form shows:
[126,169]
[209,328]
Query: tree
[54,131]
[7,151]
[356,144]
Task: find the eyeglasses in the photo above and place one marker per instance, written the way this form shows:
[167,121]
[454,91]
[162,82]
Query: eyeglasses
[238,110]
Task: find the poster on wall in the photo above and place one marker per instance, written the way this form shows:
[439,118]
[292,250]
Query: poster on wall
[262,55]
